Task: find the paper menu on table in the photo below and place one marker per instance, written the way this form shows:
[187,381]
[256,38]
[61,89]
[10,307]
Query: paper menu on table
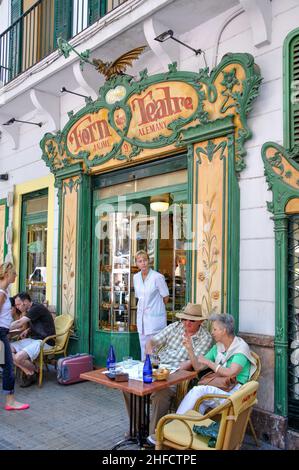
[136,370]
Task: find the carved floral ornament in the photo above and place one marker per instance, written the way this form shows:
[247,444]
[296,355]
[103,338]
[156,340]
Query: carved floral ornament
[282,174]
[150,113]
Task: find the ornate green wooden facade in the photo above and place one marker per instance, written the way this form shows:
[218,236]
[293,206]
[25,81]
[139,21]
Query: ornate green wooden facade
[282,175]
[132,122]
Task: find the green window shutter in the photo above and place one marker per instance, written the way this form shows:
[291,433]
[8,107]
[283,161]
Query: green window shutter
[15,50]
[294,78]
[96,9]
[63,12]
[16,9]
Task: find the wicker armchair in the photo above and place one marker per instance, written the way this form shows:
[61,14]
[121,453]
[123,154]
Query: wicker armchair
[176,431]
[63,326]
[184,387]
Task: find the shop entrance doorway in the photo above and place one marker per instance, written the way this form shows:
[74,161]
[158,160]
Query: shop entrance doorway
[33,266]
[123,225]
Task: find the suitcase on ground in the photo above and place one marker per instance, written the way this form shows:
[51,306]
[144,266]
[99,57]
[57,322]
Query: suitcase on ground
[69,368]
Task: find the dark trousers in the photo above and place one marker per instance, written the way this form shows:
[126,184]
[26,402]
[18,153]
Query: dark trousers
[8,376]
[160,403]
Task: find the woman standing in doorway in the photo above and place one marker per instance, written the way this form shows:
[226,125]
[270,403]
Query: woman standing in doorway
[152,293]
[7,276]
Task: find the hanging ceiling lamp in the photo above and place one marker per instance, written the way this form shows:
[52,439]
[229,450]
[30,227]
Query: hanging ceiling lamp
[159,203]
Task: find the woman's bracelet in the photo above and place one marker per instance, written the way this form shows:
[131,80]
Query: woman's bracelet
[217,368]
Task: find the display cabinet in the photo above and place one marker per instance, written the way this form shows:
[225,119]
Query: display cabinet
[175,260]
[117,305]
[123,235]
[177,286]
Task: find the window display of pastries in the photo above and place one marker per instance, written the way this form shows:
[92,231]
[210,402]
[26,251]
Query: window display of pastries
[133,328]
[106,305]
[106,267]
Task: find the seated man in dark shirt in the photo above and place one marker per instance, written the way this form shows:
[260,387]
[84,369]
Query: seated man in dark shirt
[39,325]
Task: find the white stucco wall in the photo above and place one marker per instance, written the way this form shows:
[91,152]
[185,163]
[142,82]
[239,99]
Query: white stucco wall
[257,288]
[257,263]
[4,15]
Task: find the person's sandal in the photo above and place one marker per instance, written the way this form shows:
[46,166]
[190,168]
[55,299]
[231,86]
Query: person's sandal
[28,380]
[25,406]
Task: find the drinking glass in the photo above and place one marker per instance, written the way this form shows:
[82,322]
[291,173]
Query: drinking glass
[140,371]
[155,360]
[127,362]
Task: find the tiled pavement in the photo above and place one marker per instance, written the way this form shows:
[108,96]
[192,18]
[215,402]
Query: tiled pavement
[81,416]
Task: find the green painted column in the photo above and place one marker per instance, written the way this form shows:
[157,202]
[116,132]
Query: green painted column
[78,183]
[83,264]
[281,313]
[233,239]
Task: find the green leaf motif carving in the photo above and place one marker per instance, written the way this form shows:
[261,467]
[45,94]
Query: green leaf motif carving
[173,67]
[143,74]
[72,184]
[279,333]
[211,149]
[229,81]
[244,99]
[270,207]
[284,183]
[276,161]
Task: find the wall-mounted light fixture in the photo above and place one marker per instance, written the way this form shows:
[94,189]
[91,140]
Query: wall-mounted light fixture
[4,177]
[170,35]
[159,203]
[13,120]
[65,90]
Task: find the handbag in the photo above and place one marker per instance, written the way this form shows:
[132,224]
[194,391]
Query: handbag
[210,431]
[224,383]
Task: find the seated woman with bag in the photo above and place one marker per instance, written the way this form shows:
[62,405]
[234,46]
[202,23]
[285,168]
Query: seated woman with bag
[230,360]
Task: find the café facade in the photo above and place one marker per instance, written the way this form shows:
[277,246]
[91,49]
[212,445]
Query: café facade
[160,160]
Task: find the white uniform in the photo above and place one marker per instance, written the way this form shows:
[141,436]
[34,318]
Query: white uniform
[151,311]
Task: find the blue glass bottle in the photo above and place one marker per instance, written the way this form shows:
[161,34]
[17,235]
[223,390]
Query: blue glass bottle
[111,359]
[147,370]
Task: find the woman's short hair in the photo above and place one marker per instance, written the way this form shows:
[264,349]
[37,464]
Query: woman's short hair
[226,320]
[141,253]
[5,268]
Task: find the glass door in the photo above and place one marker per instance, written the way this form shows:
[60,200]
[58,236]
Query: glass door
[124,225]
[172,255]
[33,275]
[115,310]
[122,234]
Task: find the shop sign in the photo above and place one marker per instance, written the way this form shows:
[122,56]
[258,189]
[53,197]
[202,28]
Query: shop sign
[159,105]
[151,112]
[131,118]
[92,133]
